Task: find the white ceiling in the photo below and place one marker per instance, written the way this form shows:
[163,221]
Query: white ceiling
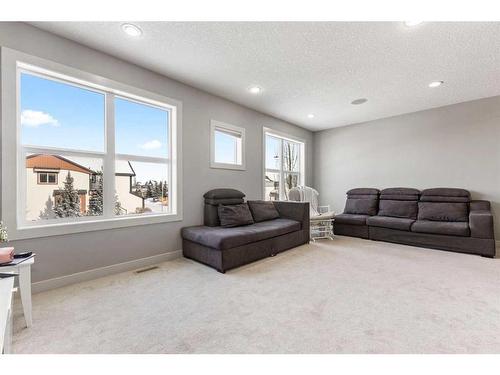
[313,67]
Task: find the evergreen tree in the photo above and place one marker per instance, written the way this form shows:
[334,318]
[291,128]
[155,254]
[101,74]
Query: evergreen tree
[69,204]
[118,206]
[48,212]
[96,197]
[149,189]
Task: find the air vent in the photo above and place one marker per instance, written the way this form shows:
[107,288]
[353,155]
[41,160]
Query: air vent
[147,269]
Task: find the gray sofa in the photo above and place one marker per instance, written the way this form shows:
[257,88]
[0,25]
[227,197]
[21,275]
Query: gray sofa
[226,248]
[439,218]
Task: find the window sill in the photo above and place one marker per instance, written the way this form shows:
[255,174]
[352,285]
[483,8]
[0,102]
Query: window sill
[58,229]
[236,167]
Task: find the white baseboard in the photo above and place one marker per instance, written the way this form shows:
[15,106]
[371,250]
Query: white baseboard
[58,282]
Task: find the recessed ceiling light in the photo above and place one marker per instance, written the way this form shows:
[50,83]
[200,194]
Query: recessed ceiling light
[255,89]
[359,101]
[436,84]
[413,23]
[131,30]
[310,115]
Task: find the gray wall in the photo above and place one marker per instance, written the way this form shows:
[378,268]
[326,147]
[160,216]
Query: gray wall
[63,255]
[452,146]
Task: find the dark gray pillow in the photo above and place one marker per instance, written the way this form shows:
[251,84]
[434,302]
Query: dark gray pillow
[361,206]
[234,215]
[262,210]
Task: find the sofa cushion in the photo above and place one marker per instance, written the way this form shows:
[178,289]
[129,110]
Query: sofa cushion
[226,238]
[441,227]
[351,219]
[398,223]
[362,206]
[445,195]
[234,215]
[216,202]
[398,208]
[443,211]
[263,210]
[400,194]
[363,191]
[223,194]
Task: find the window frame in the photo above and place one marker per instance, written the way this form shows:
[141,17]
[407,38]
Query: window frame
[281,171]
[228,129]
[13,63]
[39,182]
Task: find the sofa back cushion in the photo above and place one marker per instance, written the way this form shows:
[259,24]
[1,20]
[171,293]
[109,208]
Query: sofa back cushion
[234,215]
[399,202]
[214,198]
[444,204]
[443,211]
[445,195]
[362,201]
[263,210]
[397,208]
[361,206]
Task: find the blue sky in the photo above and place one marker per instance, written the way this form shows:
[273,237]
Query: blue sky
[225,148]
[272,150]
[60,115]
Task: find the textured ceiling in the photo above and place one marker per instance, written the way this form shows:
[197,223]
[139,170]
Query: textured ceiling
[313,67]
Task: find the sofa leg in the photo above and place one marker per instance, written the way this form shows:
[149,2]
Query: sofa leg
[221,271]
[488,256]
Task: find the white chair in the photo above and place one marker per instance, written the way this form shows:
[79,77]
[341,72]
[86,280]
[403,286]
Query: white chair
[321,217]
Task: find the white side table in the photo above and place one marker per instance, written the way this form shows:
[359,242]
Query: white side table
[22,267]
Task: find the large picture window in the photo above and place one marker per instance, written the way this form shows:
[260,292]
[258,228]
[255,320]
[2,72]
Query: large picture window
[90,153]
[284,165]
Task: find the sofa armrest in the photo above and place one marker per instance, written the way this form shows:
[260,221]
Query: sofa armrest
[481,220]
[294,210]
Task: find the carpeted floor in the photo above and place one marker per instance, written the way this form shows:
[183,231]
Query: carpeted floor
[342,296]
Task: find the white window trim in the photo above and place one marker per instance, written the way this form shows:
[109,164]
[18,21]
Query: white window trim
[12,152]
[302,170]
[218,125]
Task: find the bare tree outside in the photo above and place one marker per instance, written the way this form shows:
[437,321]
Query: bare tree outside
[291,161]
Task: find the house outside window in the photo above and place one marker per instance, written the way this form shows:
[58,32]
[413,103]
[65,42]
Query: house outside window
[284,164]
[90,153]
[47,178]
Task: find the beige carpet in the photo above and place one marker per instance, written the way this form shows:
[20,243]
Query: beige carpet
[342,296]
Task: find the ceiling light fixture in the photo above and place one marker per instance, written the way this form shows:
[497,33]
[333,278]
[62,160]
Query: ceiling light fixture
[131,30]
[435,84]
[255,90]
[310,115]
[413,23]
[359,101]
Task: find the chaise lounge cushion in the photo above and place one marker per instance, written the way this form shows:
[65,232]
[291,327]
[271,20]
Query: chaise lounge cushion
[226,238]
[398,223]
[441,227]
[351,219]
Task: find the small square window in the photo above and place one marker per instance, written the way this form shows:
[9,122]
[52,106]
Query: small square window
[227,146]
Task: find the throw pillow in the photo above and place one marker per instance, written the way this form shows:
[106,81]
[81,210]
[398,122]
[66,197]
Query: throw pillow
[234,215]
[262,211]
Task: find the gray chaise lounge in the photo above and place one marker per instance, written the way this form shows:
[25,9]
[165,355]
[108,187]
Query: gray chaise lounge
[227,248]
[440,218]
